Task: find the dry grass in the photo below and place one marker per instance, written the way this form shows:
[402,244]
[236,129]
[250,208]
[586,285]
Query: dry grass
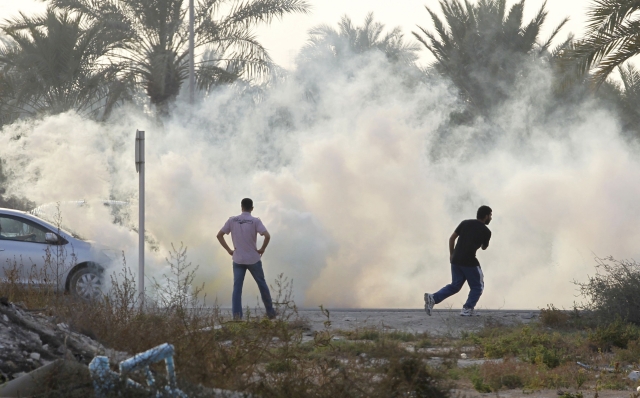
[257,355]
[270,358]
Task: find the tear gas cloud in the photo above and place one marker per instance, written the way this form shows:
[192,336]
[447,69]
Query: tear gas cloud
[355,183]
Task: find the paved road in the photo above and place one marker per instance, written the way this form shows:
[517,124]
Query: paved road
[441,323]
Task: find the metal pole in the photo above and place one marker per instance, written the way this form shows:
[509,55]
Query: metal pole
[140,168]
[192,75]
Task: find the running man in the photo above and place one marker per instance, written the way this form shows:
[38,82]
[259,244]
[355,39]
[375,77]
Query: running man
[244,230]
[472,234]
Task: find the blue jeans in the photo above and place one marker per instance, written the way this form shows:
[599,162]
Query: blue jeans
[459,275]
[239,271]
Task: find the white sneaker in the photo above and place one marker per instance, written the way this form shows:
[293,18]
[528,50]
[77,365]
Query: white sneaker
[429,302]
[468,312]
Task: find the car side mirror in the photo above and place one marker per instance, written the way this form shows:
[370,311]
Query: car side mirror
[50,237]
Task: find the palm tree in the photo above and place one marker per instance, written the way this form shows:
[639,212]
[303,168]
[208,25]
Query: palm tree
[612,37]
[342,53]
[56,62]
[625,96]
[156,48]
[483,48]
[348,40]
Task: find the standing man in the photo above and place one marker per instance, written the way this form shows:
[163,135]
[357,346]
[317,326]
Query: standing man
[244,230]
[472,234]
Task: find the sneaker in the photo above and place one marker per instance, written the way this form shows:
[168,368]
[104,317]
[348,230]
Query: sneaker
[429,302]
[468,312]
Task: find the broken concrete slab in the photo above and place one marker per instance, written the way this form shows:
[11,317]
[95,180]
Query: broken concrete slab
[43,378]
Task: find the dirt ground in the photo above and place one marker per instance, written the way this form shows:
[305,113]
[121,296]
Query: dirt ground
[442,322]
[538,394]
[446,323]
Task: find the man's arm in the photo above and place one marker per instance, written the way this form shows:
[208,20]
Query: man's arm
[486,244]
[223,242]
[452,244]
[267,238]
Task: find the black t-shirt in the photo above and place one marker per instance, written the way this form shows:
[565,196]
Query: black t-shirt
[472,234]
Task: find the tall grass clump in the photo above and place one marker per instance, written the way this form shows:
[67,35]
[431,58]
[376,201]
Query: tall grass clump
[614,291]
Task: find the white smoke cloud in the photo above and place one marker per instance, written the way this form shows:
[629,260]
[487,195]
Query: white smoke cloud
[359,212]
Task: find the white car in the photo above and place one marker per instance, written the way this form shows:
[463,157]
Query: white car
[46,254]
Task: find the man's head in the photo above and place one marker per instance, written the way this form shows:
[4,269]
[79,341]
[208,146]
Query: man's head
[484,214]
[247,204]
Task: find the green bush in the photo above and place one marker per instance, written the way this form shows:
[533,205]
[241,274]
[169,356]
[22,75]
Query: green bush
[614,291]
[280,366]
[550,357]
[554,317]
[615,334]
[479,385]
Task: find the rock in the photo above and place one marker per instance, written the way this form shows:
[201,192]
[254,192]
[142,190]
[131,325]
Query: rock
[530,315]
[18,375]
[635,375]
[29,339]
[10,365]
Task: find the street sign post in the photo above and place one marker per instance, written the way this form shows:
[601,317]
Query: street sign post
[140,169]
[192,78]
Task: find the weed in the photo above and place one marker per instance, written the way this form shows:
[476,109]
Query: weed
[479,384]
[615,334]
[280,366]
[403,336]
[424,343]
[614,291]
[554,317]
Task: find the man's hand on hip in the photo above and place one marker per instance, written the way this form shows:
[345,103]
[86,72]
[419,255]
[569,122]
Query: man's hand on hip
[230,252]
[261,251]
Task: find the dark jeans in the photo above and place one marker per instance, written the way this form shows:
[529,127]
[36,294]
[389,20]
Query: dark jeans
[459,275]
[239,271]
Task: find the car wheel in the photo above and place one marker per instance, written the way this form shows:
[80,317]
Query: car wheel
[86,283]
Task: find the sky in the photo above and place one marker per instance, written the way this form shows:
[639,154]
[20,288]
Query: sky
[284,38]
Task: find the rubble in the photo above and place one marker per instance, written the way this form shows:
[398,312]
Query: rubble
[36,353]
[31,339]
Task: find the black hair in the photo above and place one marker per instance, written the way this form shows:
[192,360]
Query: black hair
[483,211]
[247,204]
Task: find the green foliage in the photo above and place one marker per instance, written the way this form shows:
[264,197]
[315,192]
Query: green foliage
[368,334]
[340,45]
[479,385]
[629,355]
[554,317]
[532,346]
[280,366]
[411,374]
[57,62]
[567,394]
[401,336]
[424,343]
[616,334]
[612,37]
[156,46]
[613,293]
[484,48]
